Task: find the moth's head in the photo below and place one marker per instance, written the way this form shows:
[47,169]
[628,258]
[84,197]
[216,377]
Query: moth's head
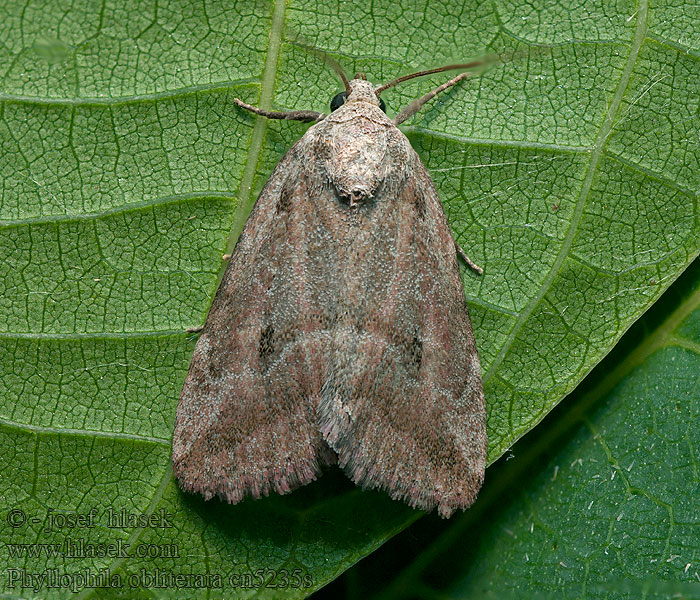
[359,90]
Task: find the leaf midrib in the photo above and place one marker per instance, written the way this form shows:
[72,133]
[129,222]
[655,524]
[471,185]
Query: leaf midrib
[243,208]
[267,89]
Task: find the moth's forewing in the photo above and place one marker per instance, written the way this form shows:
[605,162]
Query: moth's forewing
[403,402]
[246,422]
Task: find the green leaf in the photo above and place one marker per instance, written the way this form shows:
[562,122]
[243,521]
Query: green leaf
[569,172]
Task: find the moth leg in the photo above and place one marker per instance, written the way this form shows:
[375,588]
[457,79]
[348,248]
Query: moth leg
[413,107]
[470,263]
[307,116]
[194,329]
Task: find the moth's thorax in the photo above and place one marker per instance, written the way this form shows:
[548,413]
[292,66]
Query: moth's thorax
[357,152]
[360,146]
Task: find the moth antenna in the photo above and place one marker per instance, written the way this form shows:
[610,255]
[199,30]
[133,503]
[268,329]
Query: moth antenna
[470,65]
[327,59]
[337,68]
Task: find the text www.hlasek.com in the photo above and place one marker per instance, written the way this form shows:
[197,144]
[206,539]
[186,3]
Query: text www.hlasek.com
[79,548]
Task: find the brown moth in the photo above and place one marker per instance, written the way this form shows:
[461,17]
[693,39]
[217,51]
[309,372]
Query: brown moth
[340,331]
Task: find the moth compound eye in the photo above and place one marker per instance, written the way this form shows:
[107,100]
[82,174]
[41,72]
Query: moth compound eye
[338,101]
[382,105]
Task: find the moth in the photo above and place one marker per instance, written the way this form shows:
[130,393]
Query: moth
[340,332]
